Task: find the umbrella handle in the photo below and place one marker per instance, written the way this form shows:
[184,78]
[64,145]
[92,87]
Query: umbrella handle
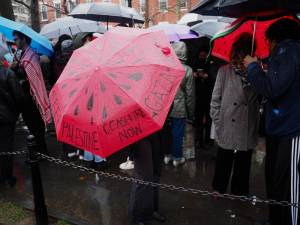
[253,37]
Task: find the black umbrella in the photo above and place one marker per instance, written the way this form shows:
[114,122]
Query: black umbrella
[238,8]
[106,12]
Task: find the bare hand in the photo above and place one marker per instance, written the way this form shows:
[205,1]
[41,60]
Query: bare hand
[248,60]
[14,64]
[203,75]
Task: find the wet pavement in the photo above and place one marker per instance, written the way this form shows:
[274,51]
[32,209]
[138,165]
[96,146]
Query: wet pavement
[76,196]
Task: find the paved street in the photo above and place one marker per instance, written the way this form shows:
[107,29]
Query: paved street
[76,197]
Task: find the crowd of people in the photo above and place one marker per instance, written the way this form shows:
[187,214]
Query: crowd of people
[214,101]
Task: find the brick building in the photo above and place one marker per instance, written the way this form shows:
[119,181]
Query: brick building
[154,12]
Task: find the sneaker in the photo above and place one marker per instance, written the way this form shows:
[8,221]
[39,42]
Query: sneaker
[25,128]
[167,159]
[179,162]
[72,154]
[128,165]
[81,157]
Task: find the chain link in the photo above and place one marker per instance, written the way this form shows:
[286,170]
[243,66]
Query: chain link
[252,199]
[20,153]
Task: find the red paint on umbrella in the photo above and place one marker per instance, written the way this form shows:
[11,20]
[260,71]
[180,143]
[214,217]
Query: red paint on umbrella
[223,42]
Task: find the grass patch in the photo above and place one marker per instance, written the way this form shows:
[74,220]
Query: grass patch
[61,222]
[11,214]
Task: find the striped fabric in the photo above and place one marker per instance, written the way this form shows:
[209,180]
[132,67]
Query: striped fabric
[31,65]
[295,178]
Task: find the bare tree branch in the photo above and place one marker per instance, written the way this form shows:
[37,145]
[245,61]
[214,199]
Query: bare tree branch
[22,3]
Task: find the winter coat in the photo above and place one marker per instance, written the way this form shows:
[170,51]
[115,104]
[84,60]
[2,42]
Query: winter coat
[184,101]
[11,96]
[234,111]
[281,87]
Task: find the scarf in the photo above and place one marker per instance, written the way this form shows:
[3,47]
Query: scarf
[31,64]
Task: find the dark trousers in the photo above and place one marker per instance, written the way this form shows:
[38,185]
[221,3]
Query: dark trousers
[178,128]
[282,178]
[144,200]
[35,124]
[202,118]
[7,133]
[236,163]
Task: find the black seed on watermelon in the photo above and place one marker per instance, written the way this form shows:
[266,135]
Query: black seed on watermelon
[76,111]
[102,87]
[72,93]
[64,86]
[136,76]
[104,113]
[90,103]
[118,100]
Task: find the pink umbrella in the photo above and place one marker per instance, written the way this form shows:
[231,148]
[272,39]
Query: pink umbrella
[116,90]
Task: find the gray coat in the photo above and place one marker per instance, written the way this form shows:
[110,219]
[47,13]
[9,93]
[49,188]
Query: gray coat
[234,111]
[184,101]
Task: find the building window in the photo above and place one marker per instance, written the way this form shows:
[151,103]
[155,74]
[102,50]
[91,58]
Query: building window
[143,5]
[183,4]
[57,10]
[163,5]
[44,12]
[108,1]
[71,5]
[124,3]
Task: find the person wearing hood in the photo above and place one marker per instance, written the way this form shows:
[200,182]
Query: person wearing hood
[63,50]
[183,107]
[11,96]
[82,39]
[235,114]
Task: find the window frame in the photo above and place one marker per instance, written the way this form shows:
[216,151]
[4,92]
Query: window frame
[159,5]
[42,11]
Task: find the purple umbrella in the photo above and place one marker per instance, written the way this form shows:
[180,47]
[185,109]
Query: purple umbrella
[175,32]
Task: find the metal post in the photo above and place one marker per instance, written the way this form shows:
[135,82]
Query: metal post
[40,208]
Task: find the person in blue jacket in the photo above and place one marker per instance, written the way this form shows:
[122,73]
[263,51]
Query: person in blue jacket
[280,86]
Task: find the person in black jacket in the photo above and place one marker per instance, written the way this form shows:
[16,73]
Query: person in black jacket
[10,97]
[280,85]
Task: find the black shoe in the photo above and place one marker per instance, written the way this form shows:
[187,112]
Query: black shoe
[158,217]
[11,182]
[99,166]
[138,223]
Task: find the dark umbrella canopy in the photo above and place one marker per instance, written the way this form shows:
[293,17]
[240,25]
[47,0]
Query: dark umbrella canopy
[107,12]
[238,8]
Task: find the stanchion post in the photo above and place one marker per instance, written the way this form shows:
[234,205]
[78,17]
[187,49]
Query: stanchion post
[40,208]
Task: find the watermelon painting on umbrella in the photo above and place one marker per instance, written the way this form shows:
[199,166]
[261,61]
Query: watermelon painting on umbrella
[256,26]
[116,90]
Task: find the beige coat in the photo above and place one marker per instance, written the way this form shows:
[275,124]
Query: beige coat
[234,111]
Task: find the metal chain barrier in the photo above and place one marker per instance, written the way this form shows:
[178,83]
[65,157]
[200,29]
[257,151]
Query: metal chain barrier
[16,153]
[252,199]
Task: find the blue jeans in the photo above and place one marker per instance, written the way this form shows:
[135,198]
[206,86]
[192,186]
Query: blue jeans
[178,125]
[90,157]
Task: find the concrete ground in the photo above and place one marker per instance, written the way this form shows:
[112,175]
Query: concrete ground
[75,196]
